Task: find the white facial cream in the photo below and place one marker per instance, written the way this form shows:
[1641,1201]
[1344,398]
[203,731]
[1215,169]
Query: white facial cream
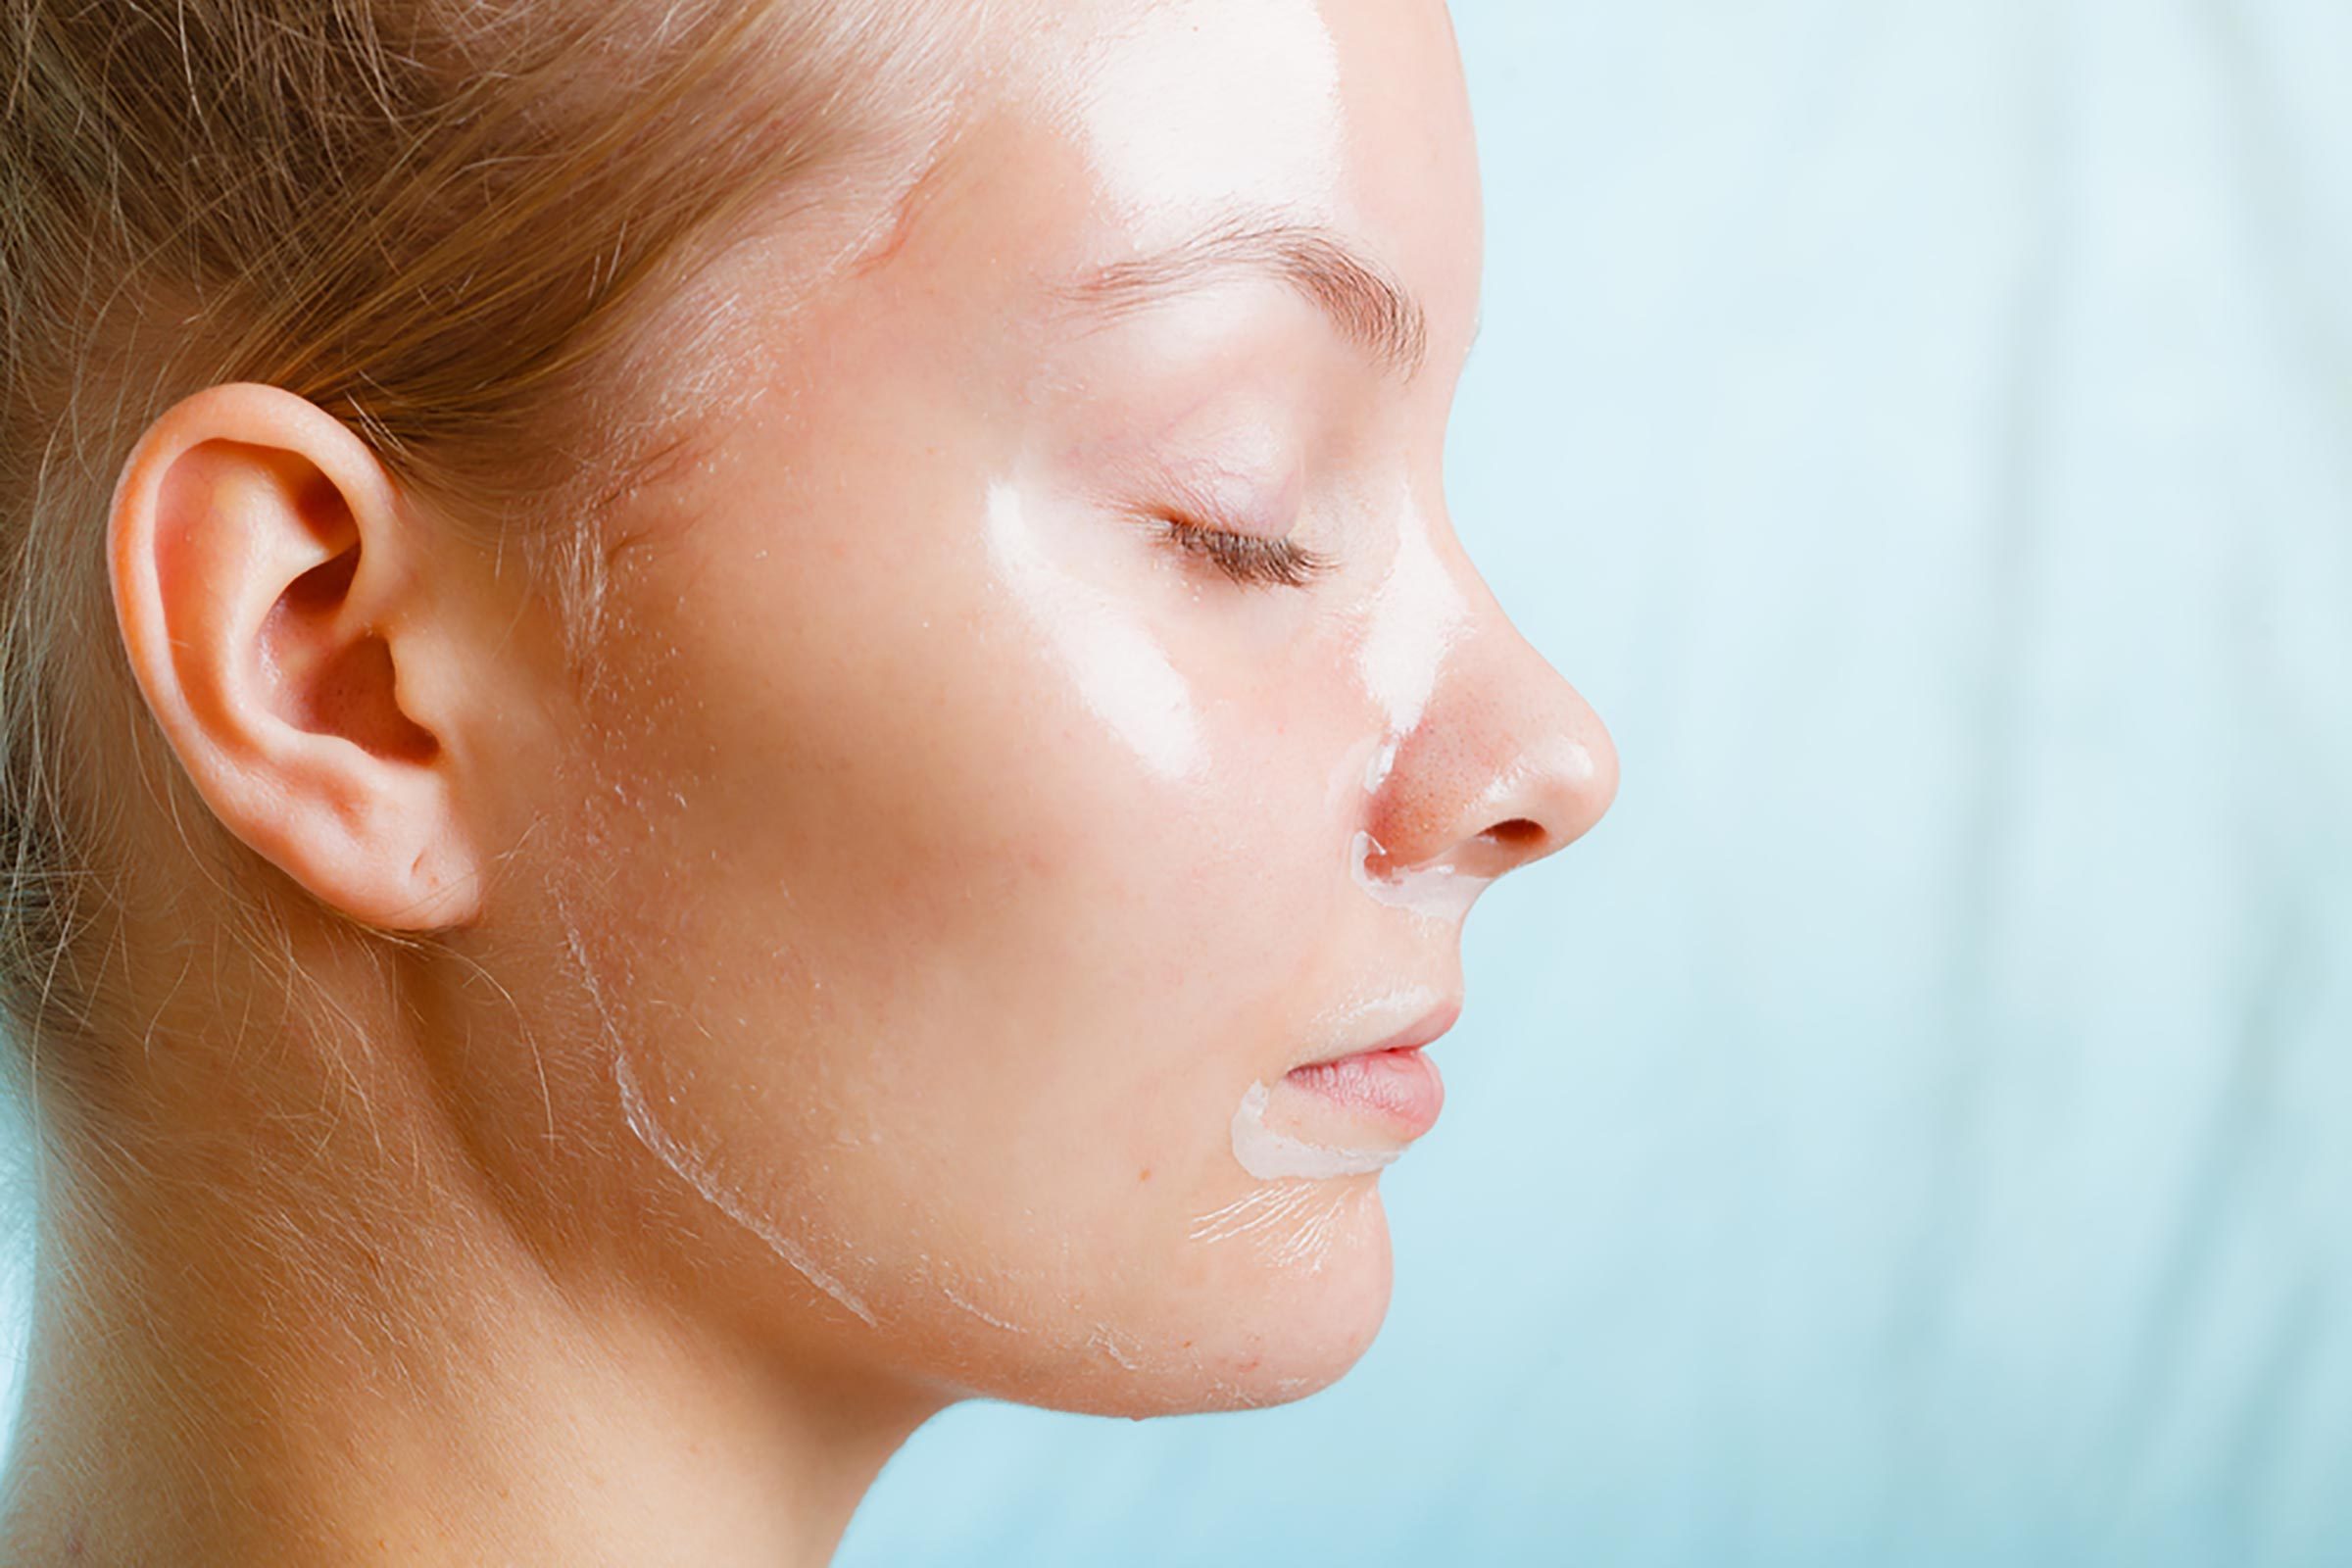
[1359,1024]
[697,1172]
[1437,893]
[1418,614]
[1180,122]
[1120,673]
[1266,1153]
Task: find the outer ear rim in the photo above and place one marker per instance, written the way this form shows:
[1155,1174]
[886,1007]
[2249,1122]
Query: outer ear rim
[266,417]
[235,410]
[230,411]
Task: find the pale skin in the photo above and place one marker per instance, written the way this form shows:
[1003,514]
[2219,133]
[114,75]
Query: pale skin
[838,1006]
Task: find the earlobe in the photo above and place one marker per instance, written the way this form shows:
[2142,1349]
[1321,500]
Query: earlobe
[269,586]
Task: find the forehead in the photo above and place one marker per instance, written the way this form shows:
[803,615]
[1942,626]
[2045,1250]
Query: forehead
[1308,101]
[1126,126]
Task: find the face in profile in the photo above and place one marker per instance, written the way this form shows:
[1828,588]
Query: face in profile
[1053,706]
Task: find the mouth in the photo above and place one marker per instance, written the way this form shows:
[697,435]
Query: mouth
[1387,1082]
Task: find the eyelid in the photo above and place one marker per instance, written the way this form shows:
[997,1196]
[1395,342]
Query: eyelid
[1249,558]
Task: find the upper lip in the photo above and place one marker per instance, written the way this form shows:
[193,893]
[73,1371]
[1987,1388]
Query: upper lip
[1420,1032]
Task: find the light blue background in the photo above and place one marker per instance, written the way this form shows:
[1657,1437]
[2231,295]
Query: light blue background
[1914,1128]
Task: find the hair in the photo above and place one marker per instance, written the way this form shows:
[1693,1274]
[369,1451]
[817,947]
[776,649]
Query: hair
[449,223]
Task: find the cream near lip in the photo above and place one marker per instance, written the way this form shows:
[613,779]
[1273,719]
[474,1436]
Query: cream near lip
[1387,1019]
[1267,1154]
[1356,1078]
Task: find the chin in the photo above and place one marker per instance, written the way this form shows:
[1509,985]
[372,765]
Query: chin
[1246,1333]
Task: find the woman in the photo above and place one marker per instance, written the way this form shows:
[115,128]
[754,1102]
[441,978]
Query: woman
[723,723]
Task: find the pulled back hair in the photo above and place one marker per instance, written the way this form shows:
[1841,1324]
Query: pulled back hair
[451,224]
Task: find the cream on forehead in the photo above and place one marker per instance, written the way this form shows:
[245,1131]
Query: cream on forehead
[1181,119]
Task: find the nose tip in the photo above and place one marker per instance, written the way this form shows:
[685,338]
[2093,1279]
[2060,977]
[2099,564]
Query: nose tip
[1550,796]
[1510,765]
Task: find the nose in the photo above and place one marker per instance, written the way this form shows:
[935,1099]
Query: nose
[1509,764]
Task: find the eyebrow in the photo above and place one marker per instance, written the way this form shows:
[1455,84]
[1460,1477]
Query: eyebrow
[1366,303]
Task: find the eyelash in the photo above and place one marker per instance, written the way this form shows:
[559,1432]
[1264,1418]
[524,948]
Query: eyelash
[1249,558]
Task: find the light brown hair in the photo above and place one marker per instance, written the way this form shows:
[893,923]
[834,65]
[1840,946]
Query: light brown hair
[446,222]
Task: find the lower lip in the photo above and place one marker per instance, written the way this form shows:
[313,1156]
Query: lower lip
[1398,1090]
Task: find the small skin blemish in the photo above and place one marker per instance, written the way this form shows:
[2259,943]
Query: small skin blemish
[1144,1174]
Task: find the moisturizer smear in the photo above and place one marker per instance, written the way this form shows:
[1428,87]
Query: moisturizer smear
[698,1172]
[1418,615]
[1272,134]
[1266,1153]
[1121,674]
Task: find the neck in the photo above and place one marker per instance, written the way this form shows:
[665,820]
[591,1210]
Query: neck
[228,1369]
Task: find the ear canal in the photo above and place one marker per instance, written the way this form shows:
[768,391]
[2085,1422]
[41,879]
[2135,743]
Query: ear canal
[345,686]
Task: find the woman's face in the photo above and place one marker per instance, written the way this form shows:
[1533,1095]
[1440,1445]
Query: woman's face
[965,857]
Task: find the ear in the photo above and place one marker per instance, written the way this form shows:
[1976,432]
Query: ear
[276,601]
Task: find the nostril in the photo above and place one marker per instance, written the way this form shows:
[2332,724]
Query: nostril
[1518,833]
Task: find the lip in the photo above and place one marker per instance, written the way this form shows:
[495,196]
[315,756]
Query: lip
[1420,1032]
[1397,1090]
[1387,1083]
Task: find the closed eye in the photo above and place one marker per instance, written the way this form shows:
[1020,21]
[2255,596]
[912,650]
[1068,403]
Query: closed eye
[1251,559]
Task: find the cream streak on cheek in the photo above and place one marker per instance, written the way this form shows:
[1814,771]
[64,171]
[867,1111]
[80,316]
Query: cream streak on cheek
[1121,675]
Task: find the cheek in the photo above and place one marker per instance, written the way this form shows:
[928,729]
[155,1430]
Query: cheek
[935,977]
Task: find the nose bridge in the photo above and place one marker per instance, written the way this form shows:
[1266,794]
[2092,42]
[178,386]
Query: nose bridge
[1507,764]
